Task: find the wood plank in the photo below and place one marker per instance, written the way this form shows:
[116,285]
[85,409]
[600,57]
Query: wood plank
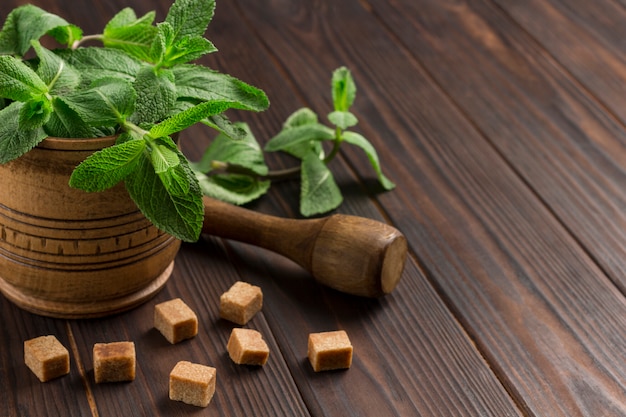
[202,273]
[557,137]
[407,337]
[530,296]
[21,393]
[586,37]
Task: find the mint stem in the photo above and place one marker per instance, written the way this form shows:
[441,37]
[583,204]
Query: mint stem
[336,145]
[85,39]
[220,168]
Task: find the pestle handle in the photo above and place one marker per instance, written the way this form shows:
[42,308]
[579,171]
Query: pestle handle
[355,255]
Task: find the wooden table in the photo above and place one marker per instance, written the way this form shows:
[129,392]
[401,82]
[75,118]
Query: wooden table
[502,123]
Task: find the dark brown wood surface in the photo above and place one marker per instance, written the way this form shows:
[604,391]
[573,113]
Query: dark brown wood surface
[502,123]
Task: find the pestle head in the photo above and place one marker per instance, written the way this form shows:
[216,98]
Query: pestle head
[358,256]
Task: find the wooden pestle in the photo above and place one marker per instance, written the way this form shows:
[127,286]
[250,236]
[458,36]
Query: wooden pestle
[355,255]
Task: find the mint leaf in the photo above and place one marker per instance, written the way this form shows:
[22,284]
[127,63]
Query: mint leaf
[35,113]
[188,49]
[175,180]
[245,153]
[66,35]
[107,103]
[299,135]
[59,76]
[222,124]
[343,119]
[28,23]
[180,215]
[156,95]
[107,167]
[232,188]
[18,81]
[358,140]
[166,51]
[201,83]
[170,165]
[15,141]
[163,158]
[181,121]
[190,17]
[343,89]
[219,122]
[130,34]
[303,116]
[319,192]
[96,63]
[9,37]
[65,123]
[164,37]
[128,18]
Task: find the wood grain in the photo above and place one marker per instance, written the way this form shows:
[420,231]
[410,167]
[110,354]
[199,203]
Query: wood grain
[510,270]
[555,135]
[507,148]
[305,313]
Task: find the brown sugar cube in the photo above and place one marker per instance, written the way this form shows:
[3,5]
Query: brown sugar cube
[192,383]
[247,347]
[46,357]
[114,362]
[241,302]
[175,320]
[330,350]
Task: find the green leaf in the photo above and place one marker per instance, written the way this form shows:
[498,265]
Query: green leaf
[65,123]
[303,116]
[18,81]
[201,83]
[164,37]
[28,23]
[35,113]
[232,188]
[67,34]
[175,180]
[107,103]
[180,215]
[190,17]
[188,49]
[59,76]
[127,17]
[163,158]
[343,89]
[132,35]
[14,141]
[171,166]
[189,117]
[343,119]
[319,192]
[245,153]
[358,140]
[97,63]
[222,124]
[156,95]
[299,135]
[107,167]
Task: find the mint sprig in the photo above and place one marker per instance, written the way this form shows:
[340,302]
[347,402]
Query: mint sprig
[302,136]
[180,214]
[144,86]
[29,23]
[130,34]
